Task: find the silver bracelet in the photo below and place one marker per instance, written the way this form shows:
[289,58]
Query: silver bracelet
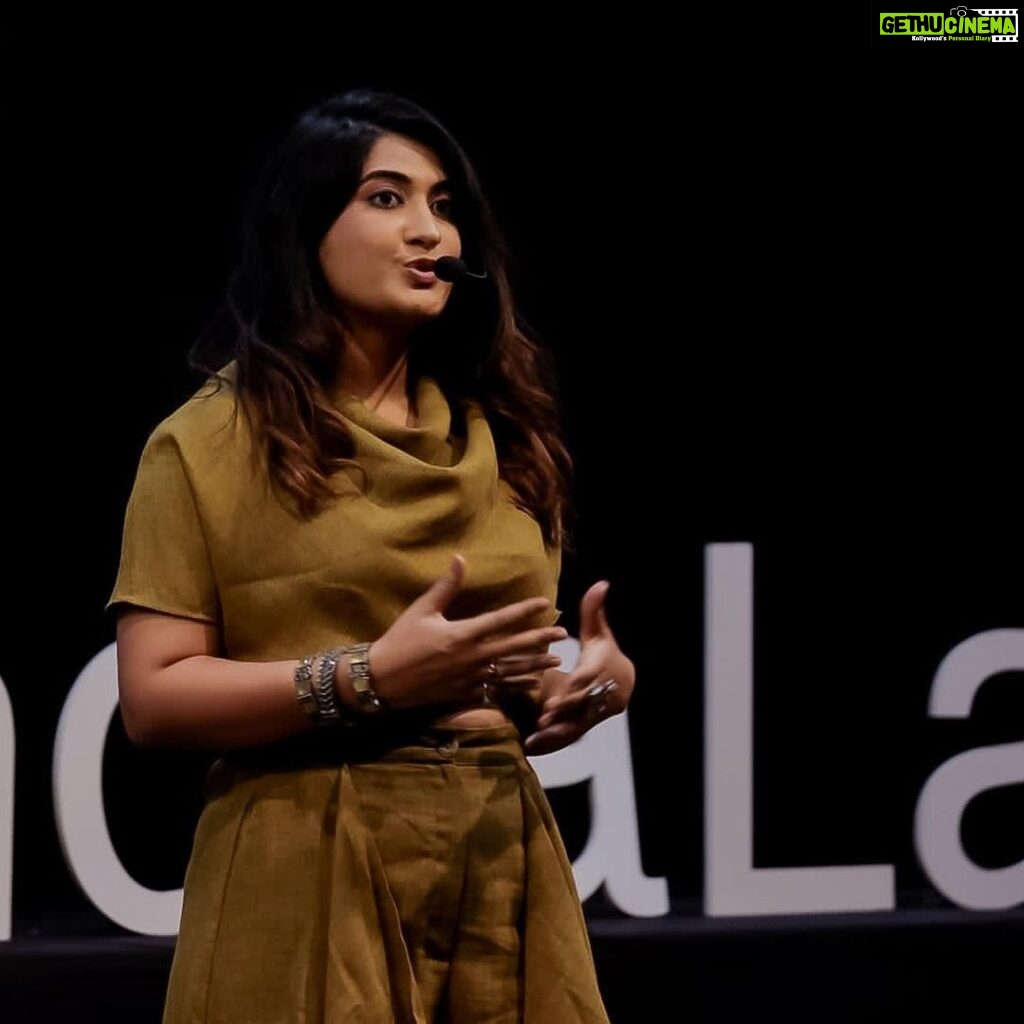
[358,658]
[304,691]
[327,700]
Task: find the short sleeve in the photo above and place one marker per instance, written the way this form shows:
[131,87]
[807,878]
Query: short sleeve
[165,561]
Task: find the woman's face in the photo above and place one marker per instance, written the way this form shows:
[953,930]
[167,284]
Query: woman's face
[399,214]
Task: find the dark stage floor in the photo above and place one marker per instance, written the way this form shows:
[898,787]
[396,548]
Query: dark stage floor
[908,965]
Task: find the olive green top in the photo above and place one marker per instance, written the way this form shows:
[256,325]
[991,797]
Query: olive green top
[305,862]
[208,538]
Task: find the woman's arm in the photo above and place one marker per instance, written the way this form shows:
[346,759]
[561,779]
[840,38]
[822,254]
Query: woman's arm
[175,692]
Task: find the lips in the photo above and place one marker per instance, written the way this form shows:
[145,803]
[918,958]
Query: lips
[423,264]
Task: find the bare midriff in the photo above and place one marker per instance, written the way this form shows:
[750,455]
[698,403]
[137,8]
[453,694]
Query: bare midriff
[473,718]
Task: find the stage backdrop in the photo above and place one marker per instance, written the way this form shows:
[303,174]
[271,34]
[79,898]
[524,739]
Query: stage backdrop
[813,537]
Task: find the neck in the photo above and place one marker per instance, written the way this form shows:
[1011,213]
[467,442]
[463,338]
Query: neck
[373,366]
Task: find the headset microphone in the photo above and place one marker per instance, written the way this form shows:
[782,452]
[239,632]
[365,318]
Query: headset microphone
[451,268]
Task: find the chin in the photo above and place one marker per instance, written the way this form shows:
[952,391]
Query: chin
[410,310]
[419,311]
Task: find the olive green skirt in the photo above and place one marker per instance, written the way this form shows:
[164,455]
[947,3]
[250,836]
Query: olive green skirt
[424,883]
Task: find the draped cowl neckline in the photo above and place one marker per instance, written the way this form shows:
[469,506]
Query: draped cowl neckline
[443,471]
[428,442]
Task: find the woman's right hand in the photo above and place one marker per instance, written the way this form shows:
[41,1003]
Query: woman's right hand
[424,658]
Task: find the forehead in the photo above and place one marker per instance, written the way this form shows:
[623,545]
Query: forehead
[400,153]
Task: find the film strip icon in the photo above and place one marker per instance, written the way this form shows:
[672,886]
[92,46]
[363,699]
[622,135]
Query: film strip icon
[1001,12]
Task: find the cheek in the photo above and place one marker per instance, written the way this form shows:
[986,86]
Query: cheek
[335,274]
[341,265]
[345,274]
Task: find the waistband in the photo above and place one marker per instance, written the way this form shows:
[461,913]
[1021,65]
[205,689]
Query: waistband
[396,739]
[494,744]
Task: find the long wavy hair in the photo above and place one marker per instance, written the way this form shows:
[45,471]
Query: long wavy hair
[276,320]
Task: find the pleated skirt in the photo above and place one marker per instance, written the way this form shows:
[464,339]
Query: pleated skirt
[424,883]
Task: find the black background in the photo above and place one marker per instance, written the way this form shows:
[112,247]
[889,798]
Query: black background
[768,328]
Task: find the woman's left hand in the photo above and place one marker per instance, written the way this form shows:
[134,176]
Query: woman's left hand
[600,684]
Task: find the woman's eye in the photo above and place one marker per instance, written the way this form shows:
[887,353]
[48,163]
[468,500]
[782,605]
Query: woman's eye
[384,199]
[388,199]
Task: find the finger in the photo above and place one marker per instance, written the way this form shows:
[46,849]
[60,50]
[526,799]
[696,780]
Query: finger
[578,681]
[525,676]
[583,717]
[441,593]
[564,712]
[501,620]
[592,618]
[519,681]
[562,709]
[554,738]
[523,643]
[521,665]
[524,680]
[596,702]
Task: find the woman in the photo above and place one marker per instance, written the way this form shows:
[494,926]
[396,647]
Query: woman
[338,568]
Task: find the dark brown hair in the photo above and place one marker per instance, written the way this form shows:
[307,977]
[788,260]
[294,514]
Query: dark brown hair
[275,321]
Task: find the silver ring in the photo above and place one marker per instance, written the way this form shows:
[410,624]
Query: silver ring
[598,690]
[597,706]
[492,670]
[486,697]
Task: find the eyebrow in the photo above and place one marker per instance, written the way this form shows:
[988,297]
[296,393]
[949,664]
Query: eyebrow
[444,185]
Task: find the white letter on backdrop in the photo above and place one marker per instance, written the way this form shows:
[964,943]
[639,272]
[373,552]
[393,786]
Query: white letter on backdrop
[732,885]
[78,804]
[612,853]
[953,784]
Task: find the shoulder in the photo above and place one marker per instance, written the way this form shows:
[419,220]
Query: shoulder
[210,411]
[207,430]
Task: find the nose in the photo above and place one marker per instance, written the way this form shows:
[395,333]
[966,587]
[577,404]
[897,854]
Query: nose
[421,226]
